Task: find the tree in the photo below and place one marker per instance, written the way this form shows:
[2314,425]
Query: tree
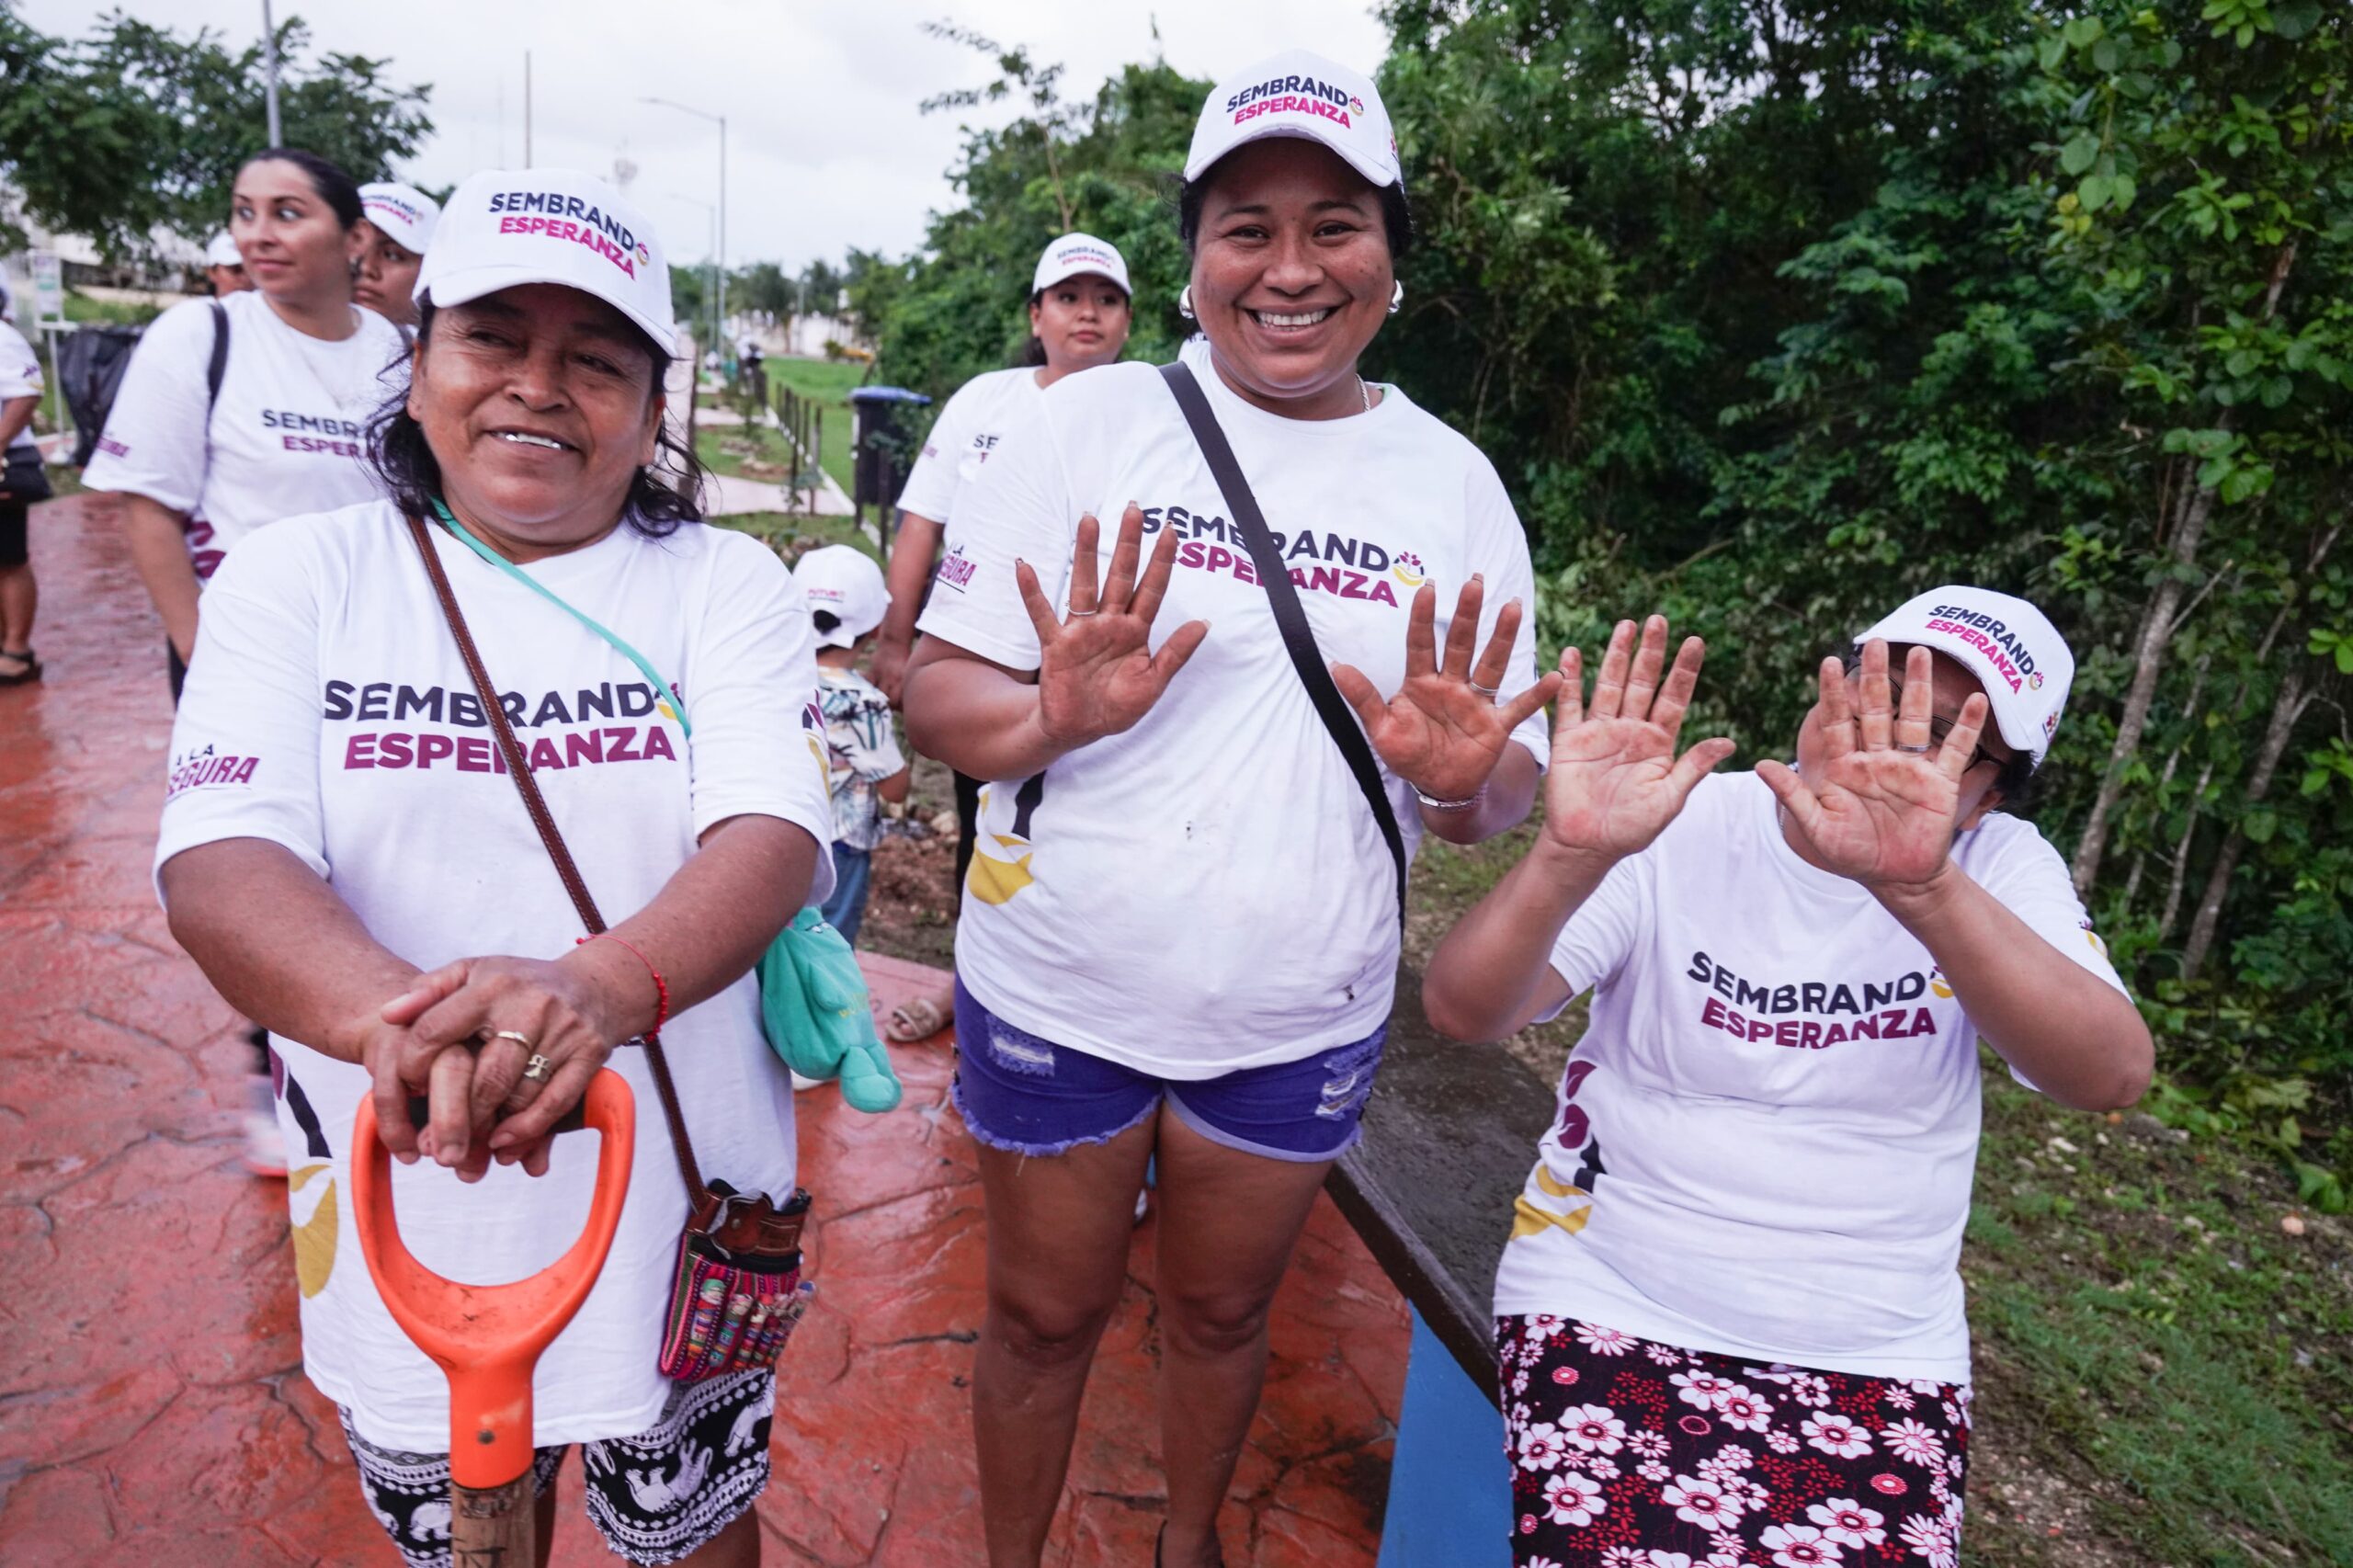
[135,128]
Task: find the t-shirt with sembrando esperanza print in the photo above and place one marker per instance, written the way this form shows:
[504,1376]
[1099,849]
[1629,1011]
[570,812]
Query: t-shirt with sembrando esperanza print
[286,437]
[1764,1141]
[1209,889]
[970,426]
[327,710]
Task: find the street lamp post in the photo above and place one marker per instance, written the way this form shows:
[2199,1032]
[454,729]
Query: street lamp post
[269,72]
[721,120]
[712,213]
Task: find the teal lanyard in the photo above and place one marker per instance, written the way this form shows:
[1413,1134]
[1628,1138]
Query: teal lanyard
[666,697]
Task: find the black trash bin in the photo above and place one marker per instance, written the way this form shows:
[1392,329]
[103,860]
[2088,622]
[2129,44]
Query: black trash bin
[883,453]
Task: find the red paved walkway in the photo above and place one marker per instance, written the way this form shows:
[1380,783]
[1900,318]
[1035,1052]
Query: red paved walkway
[153,1409]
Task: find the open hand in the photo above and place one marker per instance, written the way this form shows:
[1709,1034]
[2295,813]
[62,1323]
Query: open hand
[1446,726]
[1882,810]
[1096,672]
[1615,782]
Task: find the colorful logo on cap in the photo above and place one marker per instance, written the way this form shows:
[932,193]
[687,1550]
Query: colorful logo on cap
[2001,647]
[568,218]
[1294,95]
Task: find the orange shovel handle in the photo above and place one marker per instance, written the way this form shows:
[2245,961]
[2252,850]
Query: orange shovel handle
[488,1337]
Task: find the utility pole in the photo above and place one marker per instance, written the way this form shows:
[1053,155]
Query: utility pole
[526,108]
[269,74]
[721,120]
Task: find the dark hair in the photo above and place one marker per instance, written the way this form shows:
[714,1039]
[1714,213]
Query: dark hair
[664,493]
[337,189]
[1396,213]
[1033,353]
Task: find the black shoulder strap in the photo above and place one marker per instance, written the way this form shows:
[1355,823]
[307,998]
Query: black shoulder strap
[1290,617]
[219,363]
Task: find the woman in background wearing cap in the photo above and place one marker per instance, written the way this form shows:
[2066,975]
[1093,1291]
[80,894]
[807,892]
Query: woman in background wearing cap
[1729,1318]
[398,226]
[340,851]
[224,267]
[238,411]
[1080,311]
[1179,937]
[20,389]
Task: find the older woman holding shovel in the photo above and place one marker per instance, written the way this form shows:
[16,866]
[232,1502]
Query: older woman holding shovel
[344,853]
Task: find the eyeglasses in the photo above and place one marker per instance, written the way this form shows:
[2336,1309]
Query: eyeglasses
[1939,730]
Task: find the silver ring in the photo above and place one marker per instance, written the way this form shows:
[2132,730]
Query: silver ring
[1076,613]
[1921,750]
[538,1068]
[522,1039]
[1488,692]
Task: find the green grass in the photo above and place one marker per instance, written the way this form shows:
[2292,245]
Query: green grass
[784,531]
[827,383]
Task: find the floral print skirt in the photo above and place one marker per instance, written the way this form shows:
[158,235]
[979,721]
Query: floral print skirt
[1631,1454]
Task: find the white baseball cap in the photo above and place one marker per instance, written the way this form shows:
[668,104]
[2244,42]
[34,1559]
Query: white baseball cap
[222,251]
[403,214]
[847,583]
[2010,646]
[1074,255]
[502,229]
[1298,93]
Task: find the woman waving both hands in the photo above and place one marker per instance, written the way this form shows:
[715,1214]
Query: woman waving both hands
[1179,932]
[1735,1256]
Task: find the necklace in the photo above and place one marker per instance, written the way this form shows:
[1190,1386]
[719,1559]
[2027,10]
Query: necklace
[1367,390]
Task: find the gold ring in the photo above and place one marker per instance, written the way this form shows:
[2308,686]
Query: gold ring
[538,1068]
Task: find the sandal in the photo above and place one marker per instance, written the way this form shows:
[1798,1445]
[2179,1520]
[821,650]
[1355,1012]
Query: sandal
[916,1020]
[31,670]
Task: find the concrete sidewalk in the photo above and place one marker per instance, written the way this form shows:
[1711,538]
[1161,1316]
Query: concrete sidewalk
[153,1409]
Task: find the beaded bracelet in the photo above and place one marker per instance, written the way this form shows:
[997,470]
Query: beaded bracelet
[661,986]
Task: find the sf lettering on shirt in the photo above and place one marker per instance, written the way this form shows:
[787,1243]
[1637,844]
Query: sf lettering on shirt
[1225,814]
[967,432]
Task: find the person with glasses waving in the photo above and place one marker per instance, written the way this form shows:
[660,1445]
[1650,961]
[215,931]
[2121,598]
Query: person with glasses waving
[1212,738]
[1730,1322]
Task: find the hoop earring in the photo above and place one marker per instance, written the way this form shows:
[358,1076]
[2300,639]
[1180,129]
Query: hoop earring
[1397,297]
[1185,302]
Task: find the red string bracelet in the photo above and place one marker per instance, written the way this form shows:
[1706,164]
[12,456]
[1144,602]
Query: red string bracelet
[661,986]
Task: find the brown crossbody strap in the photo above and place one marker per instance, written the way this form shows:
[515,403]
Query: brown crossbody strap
[520,770]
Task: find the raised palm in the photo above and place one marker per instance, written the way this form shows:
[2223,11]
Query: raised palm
[1447,725]
[1616,782]
[1879,807]
[1096,672]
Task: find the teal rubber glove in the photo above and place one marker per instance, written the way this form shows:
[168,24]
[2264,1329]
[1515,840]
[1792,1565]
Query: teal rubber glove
[814,1006]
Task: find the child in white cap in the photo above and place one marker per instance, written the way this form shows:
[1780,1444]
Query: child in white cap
[847,599]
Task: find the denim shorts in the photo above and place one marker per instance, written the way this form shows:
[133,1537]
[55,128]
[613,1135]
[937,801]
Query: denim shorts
[1027,1096]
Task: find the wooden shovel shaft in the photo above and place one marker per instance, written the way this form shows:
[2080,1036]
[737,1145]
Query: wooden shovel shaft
[495,1528]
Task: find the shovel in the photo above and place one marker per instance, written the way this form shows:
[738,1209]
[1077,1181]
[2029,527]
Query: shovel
[487,1338]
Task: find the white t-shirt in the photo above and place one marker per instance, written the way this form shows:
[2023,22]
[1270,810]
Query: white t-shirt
[1764,1143]
[1208,891]
[286,437]
[327,710]
[20,377]
[961,438]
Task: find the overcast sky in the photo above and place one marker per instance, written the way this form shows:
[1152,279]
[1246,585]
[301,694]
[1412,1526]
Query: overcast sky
[826,145]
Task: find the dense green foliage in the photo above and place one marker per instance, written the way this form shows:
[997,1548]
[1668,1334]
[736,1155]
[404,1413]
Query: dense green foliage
[1772,316]
[134,129]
